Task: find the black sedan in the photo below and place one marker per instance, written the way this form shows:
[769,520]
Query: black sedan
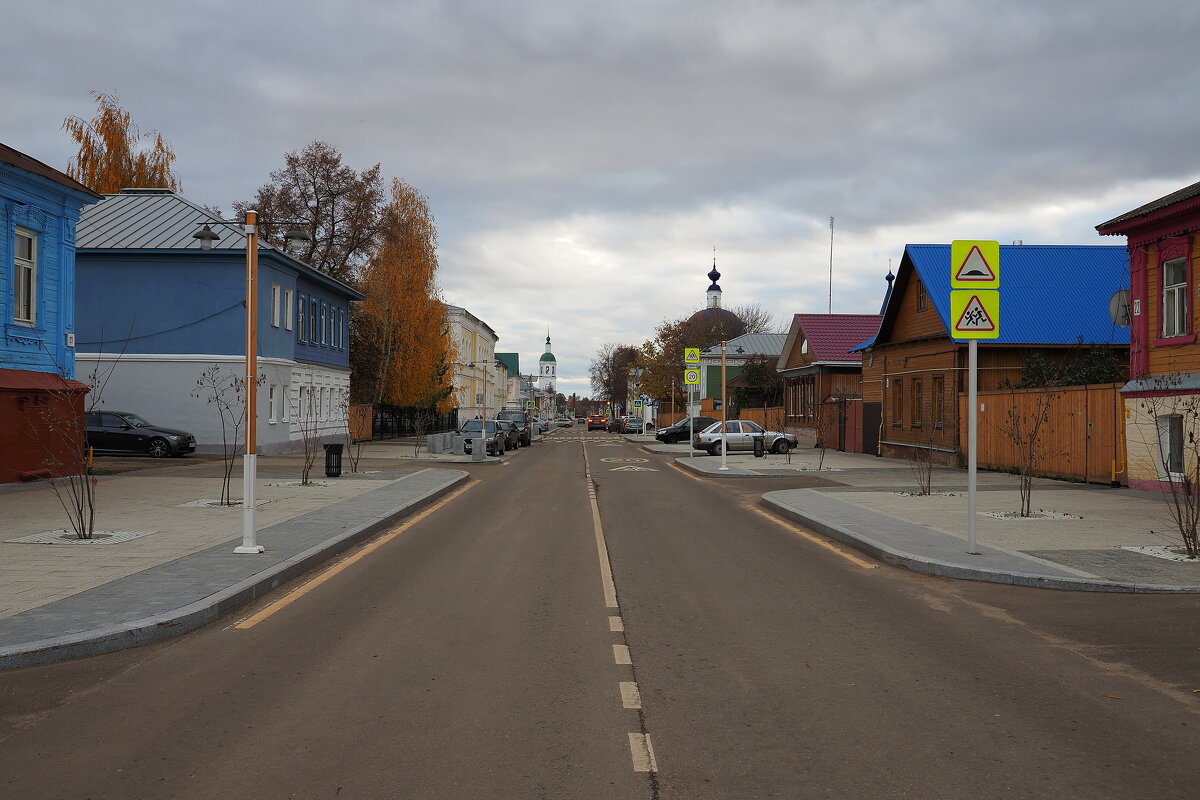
[681,431]
[125,432]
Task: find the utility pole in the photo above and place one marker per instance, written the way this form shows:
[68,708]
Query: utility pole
[830,310]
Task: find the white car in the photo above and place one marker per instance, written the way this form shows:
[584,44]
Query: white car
[740,435]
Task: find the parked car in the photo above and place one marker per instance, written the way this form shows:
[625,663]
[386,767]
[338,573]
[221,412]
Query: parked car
[614,424]
[632,425]
[740,435]
[542,426]
[564,422]
[597,422]
[512,434]
[523,421]
[682,431]
[125,432]
[493,437]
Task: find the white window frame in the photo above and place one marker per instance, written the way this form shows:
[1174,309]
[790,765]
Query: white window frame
[284,412]
[272,399]
[25,278]
[1174,300]
[275,305]
[302,304]
[289,309]
[324,324]
[1171,450]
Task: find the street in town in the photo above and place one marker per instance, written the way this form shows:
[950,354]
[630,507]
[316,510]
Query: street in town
[601,616]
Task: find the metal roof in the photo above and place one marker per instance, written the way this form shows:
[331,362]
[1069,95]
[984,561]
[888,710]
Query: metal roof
[153,219]
[511,362]
[159,219]
[1186,193]
[752,344]
[832,337]
[30,164]
[1049,294]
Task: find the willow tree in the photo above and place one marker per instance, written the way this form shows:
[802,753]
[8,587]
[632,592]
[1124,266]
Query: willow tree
[401,344]
[113,154]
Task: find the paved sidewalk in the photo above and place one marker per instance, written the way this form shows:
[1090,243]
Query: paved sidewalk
[1077,537]
[163,564]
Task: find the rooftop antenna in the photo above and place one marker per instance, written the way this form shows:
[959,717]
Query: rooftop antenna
[830,311]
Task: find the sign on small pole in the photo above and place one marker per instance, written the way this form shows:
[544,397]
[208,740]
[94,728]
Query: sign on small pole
[975,315]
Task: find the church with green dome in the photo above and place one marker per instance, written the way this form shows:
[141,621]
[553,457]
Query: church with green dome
[548,364]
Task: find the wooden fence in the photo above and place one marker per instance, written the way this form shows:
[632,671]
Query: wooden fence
[1082,439]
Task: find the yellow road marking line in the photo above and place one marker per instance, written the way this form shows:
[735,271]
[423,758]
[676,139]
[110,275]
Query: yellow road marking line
[307,587]
[815,539]
[812,537]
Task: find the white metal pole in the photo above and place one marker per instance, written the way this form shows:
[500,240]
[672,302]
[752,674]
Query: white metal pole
[972,431]
[724,415]
[691,425]
[250,450]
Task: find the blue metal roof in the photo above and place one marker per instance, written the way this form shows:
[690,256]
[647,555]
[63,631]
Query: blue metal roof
[1049,294]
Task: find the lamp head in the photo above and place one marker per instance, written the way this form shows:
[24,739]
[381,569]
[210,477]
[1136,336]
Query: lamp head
[206,236]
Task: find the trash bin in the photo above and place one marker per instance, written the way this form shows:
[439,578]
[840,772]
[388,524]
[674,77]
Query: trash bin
[333,461]
[759,446]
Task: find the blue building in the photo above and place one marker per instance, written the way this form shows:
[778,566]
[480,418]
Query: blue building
[156,310]
[39,208]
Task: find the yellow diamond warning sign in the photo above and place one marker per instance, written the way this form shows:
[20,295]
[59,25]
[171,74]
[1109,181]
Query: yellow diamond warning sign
[976,314]
[974,265]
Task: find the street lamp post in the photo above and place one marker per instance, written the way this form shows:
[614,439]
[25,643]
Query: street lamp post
[724,415]
[206,236]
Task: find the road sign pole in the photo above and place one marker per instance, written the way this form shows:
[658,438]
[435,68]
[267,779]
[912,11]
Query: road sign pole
[972,438]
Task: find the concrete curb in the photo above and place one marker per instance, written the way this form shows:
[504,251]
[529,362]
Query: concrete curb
[946,569]
[734,471]
[201,612]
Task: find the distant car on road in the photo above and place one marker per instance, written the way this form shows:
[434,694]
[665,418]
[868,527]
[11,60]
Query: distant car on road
[524,422]
[633,425]
[597,422]
[681,431]
[740,435]
[126,432]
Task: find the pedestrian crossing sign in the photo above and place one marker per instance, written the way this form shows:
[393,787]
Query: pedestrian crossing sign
[691,355]
[976,314]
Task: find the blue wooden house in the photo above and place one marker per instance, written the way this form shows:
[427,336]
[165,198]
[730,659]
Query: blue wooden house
[39,400]
[156,310]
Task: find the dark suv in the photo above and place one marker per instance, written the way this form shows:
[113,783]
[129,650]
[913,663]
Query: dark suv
[523,420]
[680,432]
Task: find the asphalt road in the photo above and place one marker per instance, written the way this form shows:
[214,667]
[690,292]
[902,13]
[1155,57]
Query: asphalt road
[480,653]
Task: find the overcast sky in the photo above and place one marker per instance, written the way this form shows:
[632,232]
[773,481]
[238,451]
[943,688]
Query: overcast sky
[583,159]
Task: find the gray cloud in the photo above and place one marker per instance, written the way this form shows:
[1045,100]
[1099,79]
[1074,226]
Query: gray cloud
[582,159]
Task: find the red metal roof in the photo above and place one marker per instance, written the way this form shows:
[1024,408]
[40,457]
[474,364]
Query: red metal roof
[28,380]
[831,336]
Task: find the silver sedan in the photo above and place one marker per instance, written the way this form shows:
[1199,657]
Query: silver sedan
[740,435]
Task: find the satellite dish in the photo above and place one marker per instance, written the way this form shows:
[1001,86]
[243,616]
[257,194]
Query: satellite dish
[1118,308]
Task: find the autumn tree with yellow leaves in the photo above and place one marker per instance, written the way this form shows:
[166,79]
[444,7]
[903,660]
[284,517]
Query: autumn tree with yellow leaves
[401,348]
[112,154]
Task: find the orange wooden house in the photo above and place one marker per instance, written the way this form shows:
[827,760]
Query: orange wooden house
[1052,299]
